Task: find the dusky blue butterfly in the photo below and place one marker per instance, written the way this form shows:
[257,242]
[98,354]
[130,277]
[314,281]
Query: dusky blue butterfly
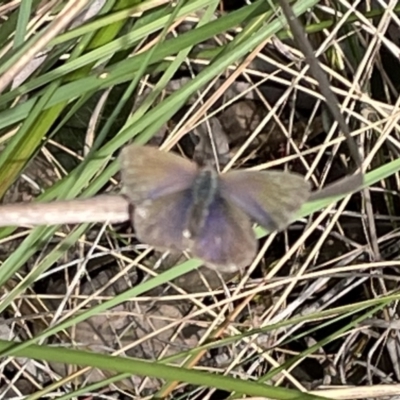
[181,206]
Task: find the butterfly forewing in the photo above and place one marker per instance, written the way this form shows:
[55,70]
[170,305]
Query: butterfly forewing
[271,198]
[148,173]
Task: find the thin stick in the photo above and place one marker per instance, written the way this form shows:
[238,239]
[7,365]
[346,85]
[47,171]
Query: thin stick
[103,208]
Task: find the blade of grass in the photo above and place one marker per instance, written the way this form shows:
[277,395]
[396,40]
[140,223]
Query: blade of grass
[154,369]
[317,346]
[25,142]
[169,48]
[13,65]
[347,311]
[24,13]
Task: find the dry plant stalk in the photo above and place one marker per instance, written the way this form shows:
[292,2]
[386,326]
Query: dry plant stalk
[102,208]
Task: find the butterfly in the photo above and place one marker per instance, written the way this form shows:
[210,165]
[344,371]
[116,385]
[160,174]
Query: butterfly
[181,206]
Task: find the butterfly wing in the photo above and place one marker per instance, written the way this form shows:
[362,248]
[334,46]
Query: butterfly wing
[271,198]
[148,173]
[226,241]
[161,222]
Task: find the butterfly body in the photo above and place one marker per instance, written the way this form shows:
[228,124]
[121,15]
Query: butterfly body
[180,206]
[204,193]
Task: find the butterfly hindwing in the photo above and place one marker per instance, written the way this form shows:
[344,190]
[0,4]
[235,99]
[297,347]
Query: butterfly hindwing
[226,240]
[161,222]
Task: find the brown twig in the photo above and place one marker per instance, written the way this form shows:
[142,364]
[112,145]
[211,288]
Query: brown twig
[103,208]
